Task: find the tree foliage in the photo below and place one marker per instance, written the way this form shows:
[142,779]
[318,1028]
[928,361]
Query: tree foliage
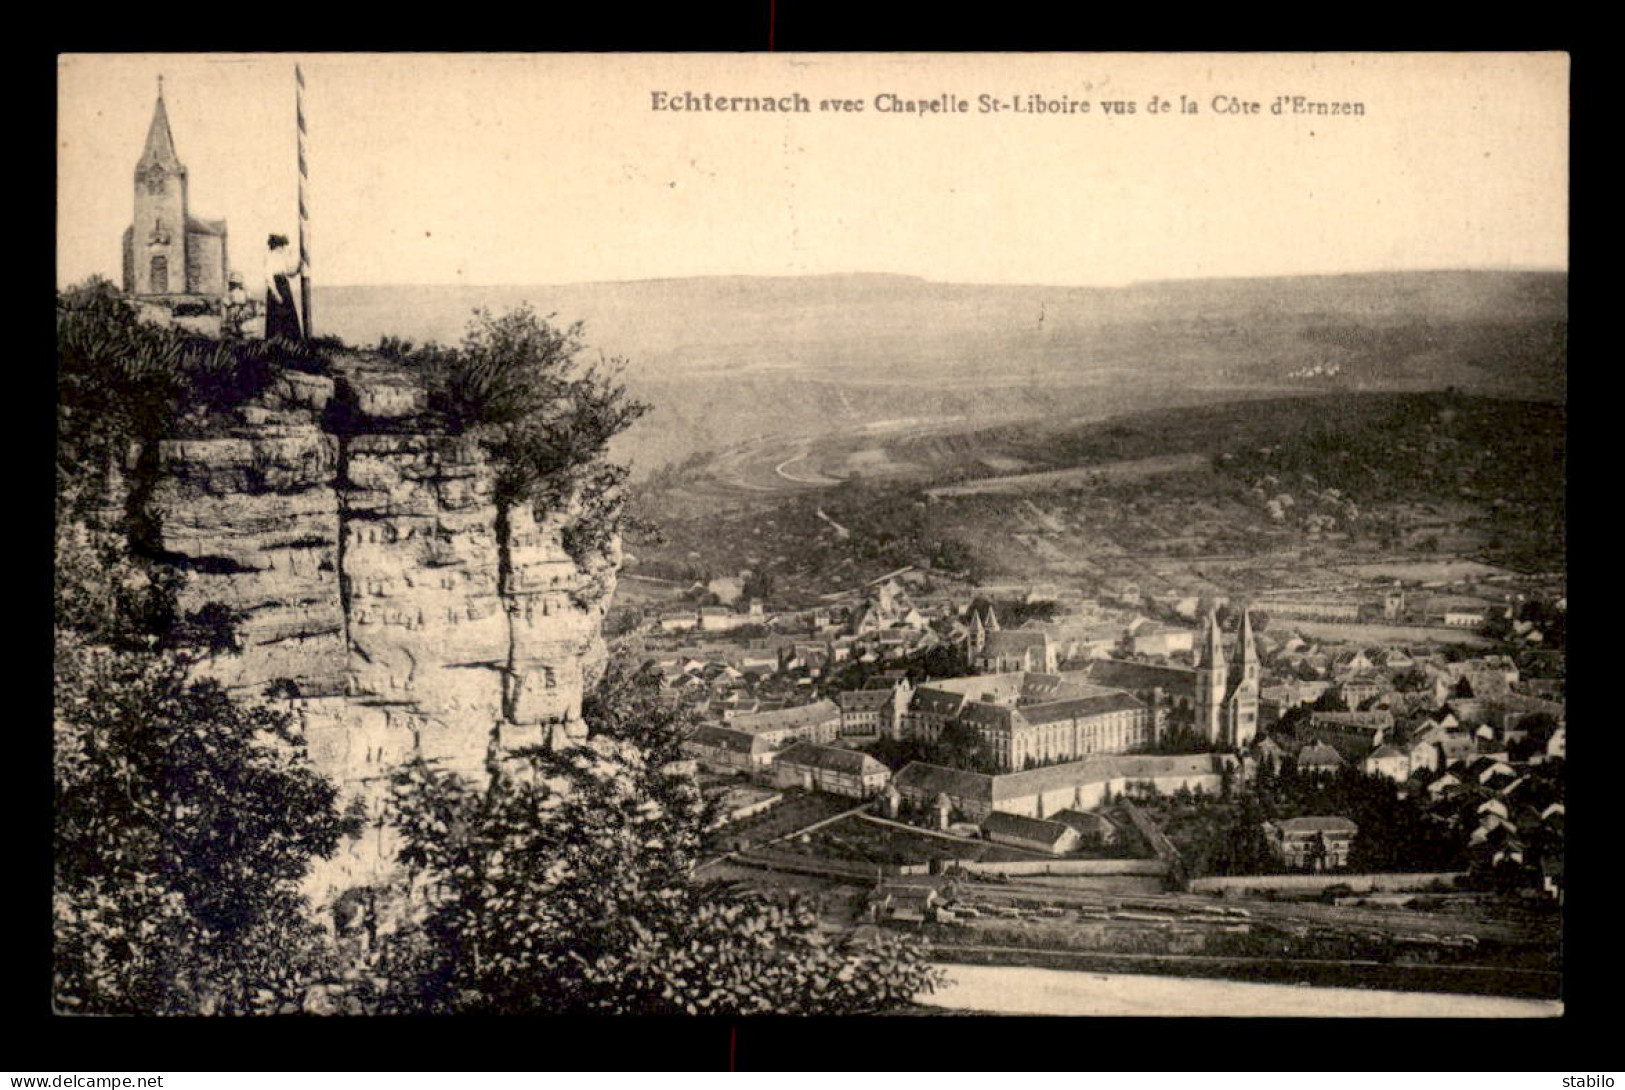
[519,383]
[183,823]
[568,887]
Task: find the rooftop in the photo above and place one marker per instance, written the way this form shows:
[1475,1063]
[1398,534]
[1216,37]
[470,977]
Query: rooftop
[1317,825]
[1035,829]
[804,715]
[830,759]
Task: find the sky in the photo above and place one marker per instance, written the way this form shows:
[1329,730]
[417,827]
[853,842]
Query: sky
[486,169]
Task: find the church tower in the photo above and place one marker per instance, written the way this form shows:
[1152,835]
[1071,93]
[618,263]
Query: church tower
[167,250]
[1212,682]
[1244,695]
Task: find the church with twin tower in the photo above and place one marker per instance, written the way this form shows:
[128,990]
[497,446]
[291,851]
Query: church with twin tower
[167,250]
[1227,686]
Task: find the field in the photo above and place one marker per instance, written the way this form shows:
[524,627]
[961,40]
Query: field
[798,810]
[857,839]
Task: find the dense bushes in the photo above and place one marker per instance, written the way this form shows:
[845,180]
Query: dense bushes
[568,887]
[519,384]
[123,381]
[183,821]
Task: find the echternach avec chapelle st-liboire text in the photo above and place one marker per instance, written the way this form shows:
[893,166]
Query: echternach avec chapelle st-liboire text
[1031,102]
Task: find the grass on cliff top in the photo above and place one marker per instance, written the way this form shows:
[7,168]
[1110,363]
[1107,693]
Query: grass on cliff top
[140,381]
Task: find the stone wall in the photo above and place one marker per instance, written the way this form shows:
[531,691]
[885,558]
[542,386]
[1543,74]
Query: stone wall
[1314,883]
[398,611]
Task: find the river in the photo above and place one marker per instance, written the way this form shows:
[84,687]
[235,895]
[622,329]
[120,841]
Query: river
[999,989]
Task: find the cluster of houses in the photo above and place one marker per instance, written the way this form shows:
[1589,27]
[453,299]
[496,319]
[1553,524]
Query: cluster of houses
[1437,608]
[1409,714]
[729,661]
[1466,738]
[1065,711]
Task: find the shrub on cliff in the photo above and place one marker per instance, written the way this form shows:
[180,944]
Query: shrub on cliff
[545,415]
[569,887]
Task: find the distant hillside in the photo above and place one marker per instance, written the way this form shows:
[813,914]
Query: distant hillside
[727,359]
[1223,498]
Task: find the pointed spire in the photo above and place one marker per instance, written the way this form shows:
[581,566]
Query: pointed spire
[1212,656]
[1248,648]
[160,149]
[992,619]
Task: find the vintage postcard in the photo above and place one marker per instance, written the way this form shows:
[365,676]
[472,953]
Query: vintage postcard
[1068,534]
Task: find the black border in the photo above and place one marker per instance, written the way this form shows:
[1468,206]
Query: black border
[43,1043]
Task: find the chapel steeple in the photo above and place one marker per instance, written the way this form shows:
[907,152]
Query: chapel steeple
[167,250]
[159,153]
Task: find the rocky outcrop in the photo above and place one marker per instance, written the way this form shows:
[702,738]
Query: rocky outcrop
[381,590]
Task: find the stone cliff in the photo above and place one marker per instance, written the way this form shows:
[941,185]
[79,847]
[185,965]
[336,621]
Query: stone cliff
[380,588]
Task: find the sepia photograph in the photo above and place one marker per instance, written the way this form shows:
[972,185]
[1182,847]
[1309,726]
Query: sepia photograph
[885,534]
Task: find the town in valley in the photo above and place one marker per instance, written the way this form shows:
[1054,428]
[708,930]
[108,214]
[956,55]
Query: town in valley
[1200,713]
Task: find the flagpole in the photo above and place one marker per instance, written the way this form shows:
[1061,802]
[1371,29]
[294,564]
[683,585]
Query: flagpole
[304,203]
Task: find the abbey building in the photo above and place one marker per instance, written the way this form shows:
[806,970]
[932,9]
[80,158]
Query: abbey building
[1226,703]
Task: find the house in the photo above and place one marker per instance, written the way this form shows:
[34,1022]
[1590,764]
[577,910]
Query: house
[1491,772]
[1356,691]
[861,710]
[1453,742]
[1488,823]
[1033,834]
[830,769]
[728,749]
[1074,785]
[1556,744]
[903,904]
[1444,784]
[1378,724]
[1161,640]
[1267,749]
[1093,829]
[818,722]
[1021,650]
[969,793]
[1312,843]
[1352,747]
[718,619]
[1318,757]
[1390,761]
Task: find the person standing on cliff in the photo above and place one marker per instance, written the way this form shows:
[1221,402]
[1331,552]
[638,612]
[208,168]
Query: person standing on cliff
[234,307]
[281,314]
